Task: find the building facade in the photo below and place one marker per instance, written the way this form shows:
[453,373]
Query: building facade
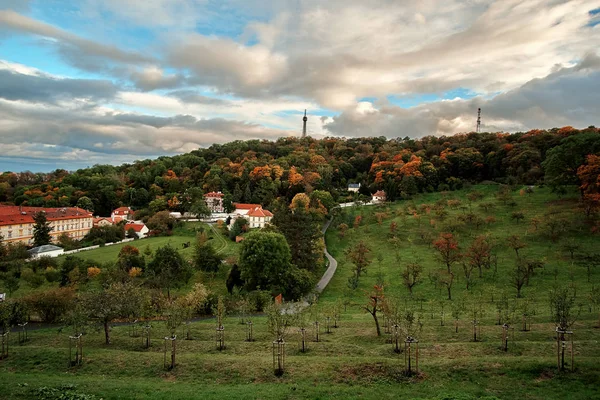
[354,187]
[214,201]
[258,218]
[16,223]
[122,213]
[379,196]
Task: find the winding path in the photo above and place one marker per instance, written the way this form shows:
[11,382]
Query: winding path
[332,264]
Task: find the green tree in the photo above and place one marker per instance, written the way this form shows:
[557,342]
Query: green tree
[169,269]
[85,203]
[265,262]
[205,256]
[302,231]
[119,300]
[41,229]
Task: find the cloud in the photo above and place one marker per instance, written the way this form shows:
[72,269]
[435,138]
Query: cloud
[339,52]
[153,78]
[568,96]
[80,51]
[46,89]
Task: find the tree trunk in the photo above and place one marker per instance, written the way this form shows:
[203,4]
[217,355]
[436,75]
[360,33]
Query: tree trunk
[376,323]
[106,332]
[449,292]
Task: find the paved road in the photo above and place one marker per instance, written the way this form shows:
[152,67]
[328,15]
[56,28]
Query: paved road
[332,266]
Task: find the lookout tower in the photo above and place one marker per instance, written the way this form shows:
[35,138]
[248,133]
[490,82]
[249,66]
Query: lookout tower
[304,119]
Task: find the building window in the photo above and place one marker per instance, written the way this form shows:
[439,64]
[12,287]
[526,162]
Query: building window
[9,234]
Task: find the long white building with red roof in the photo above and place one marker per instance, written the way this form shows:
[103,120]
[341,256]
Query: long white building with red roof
[16,222]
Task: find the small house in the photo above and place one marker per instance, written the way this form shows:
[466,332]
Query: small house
[379,196]
[47,250]
[140,229]
[354,187]
[122,213]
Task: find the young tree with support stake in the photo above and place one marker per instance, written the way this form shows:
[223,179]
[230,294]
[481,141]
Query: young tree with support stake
[565,312]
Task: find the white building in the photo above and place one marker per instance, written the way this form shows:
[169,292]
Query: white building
[214,201]
[379,196]
[353,187]
[258,218]
[122,213]
[141,230]
[46,250]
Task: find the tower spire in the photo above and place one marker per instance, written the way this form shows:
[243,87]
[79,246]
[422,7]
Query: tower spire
[304,119]
[478,130]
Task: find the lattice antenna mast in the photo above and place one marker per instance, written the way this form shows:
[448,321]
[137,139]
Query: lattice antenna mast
[478,120]
[304,119]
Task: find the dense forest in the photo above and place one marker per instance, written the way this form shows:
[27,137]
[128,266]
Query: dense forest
[261,171]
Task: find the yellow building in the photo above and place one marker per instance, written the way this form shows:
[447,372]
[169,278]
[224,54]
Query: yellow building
[16,223]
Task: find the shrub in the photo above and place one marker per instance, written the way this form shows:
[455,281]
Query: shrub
[51,305]
[52,274]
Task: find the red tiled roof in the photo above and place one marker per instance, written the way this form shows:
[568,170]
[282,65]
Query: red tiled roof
[10,215]
[136,227]
[123,210]
[379,193]
[214,194]
[245,206]
[259,212]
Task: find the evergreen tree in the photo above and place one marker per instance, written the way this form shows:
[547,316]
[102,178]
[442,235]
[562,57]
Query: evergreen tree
[303,233]
[41,229]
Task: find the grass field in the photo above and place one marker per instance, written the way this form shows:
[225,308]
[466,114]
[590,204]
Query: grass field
[352,362]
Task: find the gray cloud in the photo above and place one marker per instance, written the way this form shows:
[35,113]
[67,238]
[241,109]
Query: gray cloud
[568,96]
[46,89]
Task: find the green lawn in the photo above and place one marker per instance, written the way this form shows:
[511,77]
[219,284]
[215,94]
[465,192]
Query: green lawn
[352,362]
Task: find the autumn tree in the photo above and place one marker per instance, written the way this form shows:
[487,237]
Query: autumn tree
[515,243]
[360,256]
[342,228]
[479,254]
[448,250]
[412,276]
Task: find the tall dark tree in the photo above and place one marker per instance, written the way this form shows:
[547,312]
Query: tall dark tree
[301,228]
[41,229]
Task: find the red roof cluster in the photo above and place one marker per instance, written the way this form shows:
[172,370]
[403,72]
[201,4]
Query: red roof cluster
[122,210]
[259,212]
[136,227]
[214,194]
[10,215]
[245,206]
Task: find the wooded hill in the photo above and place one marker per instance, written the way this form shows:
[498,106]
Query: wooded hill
[261,171]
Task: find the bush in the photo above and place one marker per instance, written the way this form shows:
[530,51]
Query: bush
[51,305]
[34,280]
[52,274]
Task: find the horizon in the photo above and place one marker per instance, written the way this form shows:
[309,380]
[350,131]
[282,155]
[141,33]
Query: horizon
[111,82]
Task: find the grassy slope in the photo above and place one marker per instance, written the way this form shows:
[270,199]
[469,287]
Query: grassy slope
[352,362]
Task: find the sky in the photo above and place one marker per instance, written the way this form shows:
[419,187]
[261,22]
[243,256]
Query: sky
[113,81]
